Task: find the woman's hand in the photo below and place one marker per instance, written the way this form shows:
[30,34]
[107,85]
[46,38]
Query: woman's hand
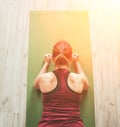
[43,70]
[75,57]
[48,58]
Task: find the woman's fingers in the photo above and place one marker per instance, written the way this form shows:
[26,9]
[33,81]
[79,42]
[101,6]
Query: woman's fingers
[75,57]
[48,58]
[49,55]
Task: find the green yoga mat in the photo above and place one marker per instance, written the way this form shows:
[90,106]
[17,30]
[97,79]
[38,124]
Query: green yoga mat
[46,28]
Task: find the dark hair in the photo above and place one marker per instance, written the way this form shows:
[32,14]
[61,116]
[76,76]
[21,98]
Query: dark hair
[62,53]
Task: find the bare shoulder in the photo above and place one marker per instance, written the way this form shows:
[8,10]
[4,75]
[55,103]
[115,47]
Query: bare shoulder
[75,82]
[75,76]
[46,77]
[46,81]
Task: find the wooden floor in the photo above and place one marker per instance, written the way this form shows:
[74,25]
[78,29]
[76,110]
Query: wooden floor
[104,18]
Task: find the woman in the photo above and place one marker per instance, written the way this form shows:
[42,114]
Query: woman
[61,89]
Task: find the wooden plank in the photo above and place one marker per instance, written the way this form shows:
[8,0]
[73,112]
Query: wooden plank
[13,119]
[58,5]
[104,23]
[13,65]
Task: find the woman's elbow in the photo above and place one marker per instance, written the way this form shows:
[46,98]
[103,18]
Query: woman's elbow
[86,85]
[36,85]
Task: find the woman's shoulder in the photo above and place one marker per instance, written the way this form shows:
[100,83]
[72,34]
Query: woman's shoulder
[48,75]
[47,82]
[75,82]
[75,76]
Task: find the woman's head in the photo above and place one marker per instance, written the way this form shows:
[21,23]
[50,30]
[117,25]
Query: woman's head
[62,53]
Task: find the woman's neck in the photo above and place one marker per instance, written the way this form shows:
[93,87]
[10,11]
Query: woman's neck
[61,66]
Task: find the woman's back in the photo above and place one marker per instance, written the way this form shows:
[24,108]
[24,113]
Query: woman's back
[61,105]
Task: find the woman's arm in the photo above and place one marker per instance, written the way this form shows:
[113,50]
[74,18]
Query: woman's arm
[43,70]
[80,71]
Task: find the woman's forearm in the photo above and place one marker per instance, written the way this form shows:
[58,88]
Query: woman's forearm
[46,64]
[44,69]
[79,70]
[78,67]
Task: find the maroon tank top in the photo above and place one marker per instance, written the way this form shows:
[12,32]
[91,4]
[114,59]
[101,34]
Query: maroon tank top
[61,105]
